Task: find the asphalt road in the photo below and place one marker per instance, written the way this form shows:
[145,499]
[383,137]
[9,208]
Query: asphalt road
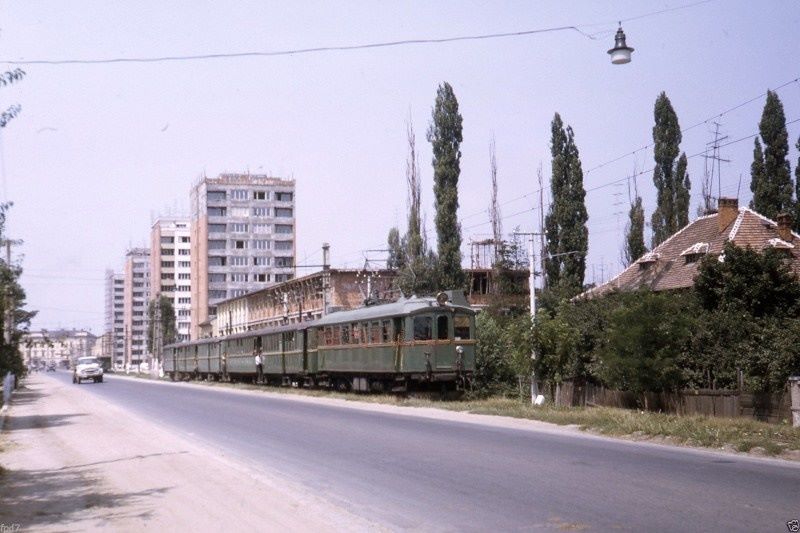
[424,474]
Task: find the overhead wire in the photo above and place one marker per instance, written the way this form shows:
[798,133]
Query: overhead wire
[343,48]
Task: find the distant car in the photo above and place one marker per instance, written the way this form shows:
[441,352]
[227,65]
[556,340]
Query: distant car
[51,367]
[87,368]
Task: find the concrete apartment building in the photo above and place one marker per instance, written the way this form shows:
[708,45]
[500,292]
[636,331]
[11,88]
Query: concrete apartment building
[58,346]
[170,269]
[242,238]
[113,340]
[136,292]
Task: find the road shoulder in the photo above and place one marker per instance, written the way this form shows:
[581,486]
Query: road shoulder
[72,461]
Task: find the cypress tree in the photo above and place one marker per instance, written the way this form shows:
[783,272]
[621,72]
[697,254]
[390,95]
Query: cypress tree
[634,237]
[444,134]
[772,191]
[671,180]
[565,224]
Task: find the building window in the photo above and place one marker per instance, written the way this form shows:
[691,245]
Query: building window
[237,227]
[184,252]
[261,244]
[261,277]
[216,228]
[261,211]
[284,245]
[167,288]
[284,262]
[215,196]
[240,278]
[279,278]
[283,212]
[166,275]
[283,197]
[283,229]
[184,275]
[184,300]
[240,245]
[260,195]
[167,264]
[167,251]
[138,274]
[215,245]
[239,194]
[238,260]
[261,228]
[183,288]
[217,211]
[261,261]
[184,264]
[239,212]
[216,278]
[167,240]
[185,240]
[216,295]
[218,261]
[184,312]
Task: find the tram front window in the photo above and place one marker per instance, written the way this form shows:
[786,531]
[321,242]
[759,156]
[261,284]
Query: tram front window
[461,327]
[442,328]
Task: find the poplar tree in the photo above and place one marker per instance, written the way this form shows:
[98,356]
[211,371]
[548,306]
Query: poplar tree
[671,179]
[797,190]
[444,134]
[565,224]
[396,259]
[772,189]
[757,179]
[634,235]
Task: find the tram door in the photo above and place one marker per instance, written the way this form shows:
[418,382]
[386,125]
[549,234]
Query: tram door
[443,348]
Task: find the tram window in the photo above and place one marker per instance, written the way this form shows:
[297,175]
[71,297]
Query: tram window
[345,334]
[356,334]
[385,330]
[423,328]
[365,333]
[442,328]
[328,336]
[461,327]
[375,332]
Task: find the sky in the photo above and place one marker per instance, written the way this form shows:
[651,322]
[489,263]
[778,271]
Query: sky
[100,150]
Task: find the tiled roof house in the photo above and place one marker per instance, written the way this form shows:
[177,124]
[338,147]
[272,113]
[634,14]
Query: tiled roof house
[673,264]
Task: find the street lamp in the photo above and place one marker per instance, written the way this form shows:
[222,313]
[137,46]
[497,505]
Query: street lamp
[621,53]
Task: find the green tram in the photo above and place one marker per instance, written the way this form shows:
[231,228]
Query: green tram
[413,342]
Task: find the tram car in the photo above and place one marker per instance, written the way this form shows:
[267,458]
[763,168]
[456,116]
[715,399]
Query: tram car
[411,343]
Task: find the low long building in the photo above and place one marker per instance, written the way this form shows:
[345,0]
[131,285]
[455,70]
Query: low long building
[59,346]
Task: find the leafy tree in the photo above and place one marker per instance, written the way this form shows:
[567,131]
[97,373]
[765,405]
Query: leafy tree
[7,78]
[760,284]
[444,134]
[12,306]
[565,224]
[671,179]
[168,330]
[634,233]
[646,338]
[771,180]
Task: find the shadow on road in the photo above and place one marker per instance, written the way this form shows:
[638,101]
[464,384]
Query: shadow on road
[17,423]
[36,498]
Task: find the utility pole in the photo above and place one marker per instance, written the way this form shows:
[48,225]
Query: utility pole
[158,334]
[532,290]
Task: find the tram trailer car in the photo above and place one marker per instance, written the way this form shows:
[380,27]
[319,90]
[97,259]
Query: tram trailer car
[408,343]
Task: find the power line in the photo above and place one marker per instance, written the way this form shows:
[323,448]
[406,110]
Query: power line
[343,48]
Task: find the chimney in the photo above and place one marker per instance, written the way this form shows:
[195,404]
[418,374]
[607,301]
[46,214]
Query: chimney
[728,210]
[785,227]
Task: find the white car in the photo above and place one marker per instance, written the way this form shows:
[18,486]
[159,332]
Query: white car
[87,368]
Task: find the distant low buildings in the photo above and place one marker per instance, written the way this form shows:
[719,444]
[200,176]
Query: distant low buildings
[59,346]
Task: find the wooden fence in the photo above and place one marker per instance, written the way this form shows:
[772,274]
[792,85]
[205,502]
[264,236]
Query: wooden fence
[724,403]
